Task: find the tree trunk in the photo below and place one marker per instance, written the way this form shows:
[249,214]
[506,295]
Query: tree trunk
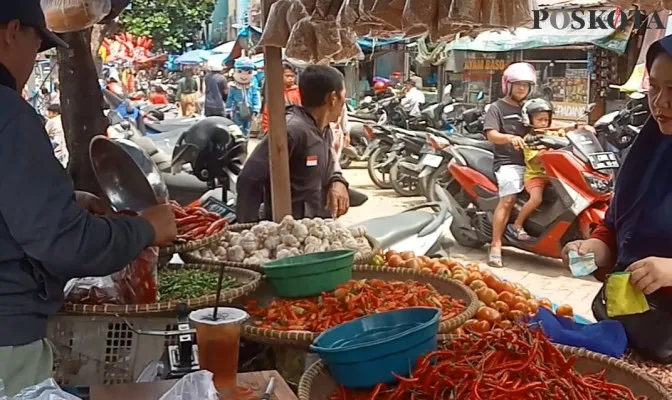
[81,105]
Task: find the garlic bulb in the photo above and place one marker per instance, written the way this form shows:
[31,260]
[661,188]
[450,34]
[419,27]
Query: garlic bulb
[285,253]
[272,242]
[221,253]
[312,240]
[312,248]
[235,239]
[300,232]
[236,253]
[253,260]
[290,240]
[249,242]
[358,231]
[263,254]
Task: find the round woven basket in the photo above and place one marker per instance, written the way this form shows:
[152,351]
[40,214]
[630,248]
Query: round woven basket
[303,339]
[317,384]
[190,257]
[250,282]
[191,245]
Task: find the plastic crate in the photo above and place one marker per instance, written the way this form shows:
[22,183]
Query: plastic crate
[91,350]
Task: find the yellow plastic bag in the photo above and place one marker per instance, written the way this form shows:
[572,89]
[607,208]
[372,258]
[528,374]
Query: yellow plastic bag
[622,297]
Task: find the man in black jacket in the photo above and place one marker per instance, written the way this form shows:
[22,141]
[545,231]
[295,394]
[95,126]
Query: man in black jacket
[48,232]
[318,187]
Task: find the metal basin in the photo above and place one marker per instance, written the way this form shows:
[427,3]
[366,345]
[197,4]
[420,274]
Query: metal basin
[127,175]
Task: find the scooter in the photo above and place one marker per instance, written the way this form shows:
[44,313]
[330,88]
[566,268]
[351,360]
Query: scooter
[413,230]
[575,202]
[382,138]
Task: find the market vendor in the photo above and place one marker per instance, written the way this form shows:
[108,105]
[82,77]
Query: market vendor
[318,187]
[636,234]
[47,236]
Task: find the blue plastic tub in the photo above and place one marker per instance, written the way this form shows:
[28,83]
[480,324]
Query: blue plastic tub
[366,351]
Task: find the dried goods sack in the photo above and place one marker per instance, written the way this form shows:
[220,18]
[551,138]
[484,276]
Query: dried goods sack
[349,48]
[302,43]
[518,13]
[328,38]
[493,13]
[348,15]
[327,8]
[419,13]
[283,14]
[309,5]
[465,12]
[389,12]
[73,15]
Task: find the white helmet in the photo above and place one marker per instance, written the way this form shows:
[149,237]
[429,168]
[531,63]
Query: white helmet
[215,66]
[519,72]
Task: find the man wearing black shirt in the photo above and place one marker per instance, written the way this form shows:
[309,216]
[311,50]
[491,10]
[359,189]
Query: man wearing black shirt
[507,135]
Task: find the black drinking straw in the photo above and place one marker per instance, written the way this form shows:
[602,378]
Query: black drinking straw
[219,291]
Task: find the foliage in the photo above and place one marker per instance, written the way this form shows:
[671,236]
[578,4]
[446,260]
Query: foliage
[170,23]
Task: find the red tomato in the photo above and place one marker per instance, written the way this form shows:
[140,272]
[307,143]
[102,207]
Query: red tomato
[395,261]
[523,307]
[534,307]
[506,297]
[488,314]
[482,326]
[502,307]
[488,296]
[545,303]
[565,310]
[516,315]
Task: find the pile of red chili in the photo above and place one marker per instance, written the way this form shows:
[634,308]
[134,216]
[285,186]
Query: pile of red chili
[195,223]
[355,299]
[516,363]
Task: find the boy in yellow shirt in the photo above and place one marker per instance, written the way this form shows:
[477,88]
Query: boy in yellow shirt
[537,114]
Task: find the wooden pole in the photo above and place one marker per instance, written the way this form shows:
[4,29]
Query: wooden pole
[281,193]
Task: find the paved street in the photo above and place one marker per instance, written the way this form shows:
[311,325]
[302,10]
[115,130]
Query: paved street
[542,276]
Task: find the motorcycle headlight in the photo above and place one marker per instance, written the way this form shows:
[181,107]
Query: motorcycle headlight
[598,184]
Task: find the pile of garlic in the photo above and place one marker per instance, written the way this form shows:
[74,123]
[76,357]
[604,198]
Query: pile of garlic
[271,241]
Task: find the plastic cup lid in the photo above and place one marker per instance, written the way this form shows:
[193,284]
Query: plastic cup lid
[225,316]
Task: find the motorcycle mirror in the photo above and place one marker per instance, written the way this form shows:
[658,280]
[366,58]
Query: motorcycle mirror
[637,95]
[480,96]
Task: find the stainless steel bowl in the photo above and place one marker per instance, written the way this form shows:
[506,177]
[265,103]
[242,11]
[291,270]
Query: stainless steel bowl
[126,174]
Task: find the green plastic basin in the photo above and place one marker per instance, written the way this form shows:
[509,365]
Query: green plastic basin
[310,274]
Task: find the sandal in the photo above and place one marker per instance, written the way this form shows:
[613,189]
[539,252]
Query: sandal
[495,259]
[519,234]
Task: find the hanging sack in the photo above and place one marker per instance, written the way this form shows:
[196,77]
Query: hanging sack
[74,15]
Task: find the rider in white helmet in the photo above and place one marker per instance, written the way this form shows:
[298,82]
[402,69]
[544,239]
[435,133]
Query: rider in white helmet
[215,90]
[518,81]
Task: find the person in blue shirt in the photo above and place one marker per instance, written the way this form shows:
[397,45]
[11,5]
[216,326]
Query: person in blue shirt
[243,102]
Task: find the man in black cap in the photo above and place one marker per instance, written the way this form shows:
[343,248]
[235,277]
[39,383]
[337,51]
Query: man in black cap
[48,232]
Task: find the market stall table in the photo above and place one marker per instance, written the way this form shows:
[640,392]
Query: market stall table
[154,390]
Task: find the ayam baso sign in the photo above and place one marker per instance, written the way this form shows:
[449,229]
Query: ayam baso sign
[610,19]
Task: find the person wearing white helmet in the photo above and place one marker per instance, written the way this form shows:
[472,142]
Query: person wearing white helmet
[215,90]
[506,134]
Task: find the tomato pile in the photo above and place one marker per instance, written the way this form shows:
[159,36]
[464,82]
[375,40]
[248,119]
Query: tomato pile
[355,299]
[518,363]
[194,223]
[501,302]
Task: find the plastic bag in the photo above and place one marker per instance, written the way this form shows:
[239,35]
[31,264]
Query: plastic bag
[465,11]
[47,390]
[518,13]
[419,13]
[493,13]
[195,386]
[135,284]
[283,15]
[329,39]
[302,43]
[389,12]
[348,15]
[349,48]
[74,15]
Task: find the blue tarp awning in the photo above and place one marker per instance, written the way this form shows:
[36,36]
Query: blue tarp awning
[546,36]
[370,43]
[193,57]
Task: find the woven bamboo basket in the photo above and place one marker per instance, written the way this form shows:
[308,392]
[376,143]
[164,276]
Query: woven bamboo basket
[190,257]
[191,245]
[250,282]
[317,384]
[303,339]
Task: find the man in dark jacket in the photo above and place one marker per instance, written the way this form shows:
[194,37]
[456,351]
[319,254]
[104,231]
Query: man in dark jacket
[215,90]
[318,187]
[46,237]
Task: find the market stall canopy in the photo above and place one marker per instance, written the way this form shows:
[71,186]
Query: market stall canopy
[224,49]
[546,36]
[193,57]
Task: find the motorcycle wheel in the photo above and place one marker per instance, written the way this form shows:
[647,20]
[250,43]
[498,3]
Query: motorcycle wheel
[377,157]
[404,185]
[441,177]
[360,144]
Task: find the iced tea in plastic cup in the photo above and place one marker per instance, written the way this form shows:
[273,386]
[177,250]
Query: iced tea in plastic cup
[218,343]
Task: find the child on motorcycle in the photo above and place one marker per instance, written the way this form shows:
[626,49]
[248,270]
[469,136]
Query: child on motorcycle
[537,115]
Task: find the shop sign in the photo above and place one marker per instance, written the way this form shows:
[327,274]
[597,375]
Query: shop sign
[485,64]
[569,111]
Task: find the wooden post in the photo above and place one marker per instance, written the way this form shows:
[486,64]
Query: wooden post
[281,193]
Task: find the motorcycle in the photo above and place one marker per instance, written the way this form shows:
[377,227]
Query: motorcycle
[382,138]
[413,230]
[575,202]
[617,130]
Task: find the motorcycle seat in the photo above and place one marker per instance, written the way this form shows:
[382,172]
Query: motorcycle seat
[363,115]
[185,182]
[394,228]
[464,141]
[479,160]
[170,125]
